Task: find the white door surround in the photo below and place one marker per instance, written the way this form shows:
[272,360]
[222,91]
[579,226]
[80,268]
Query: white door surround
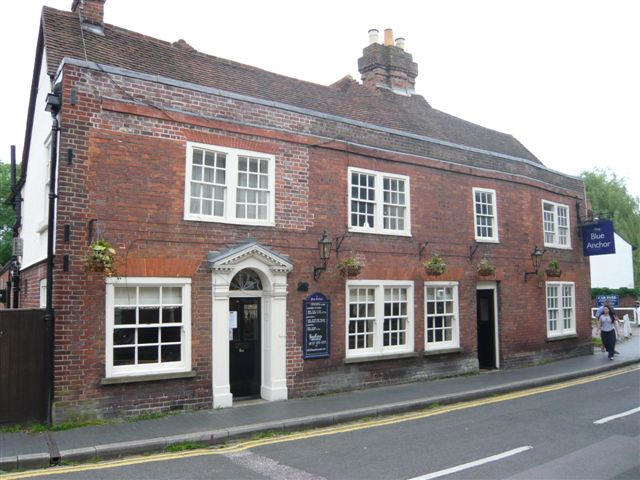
[493,286]
[272,269]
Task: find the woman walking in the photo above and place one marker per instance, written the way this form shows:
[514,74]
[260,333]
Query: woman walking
[606,325]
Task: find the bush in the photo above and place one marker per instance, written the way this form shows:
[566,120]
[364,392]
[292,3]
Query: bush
[621,292]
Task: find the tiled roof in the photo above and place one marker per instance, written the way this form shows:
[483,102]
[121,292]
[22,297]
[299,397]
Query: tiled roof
[346,98]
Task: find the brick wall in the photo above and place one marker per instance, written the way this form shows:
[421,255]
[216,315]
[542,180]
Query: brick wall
[30,284]
[128,177]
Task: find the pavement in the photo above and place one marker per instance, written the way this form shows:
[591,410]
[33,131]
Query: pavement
[25,451]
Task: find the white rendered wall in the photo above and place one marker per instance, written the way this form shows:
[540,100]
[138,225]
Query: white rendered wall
[614,270]
[34,205]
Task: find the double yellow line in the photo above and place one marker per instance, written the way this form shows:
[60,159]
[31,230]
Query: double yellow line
[281,438]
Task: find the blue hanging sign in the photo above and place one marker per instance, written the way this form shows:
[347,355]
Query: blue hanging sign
[597,238]
[316,318]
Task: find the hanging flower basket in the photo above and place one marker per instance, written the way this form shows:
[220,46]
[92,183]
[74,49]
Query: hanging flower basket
[435,265]
[553,269]
[349,267]
[485,267]
[101,258]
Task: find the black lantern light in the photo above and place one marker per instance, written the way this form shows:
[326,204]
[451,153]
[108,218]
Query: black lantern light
[324,248]
[536,258]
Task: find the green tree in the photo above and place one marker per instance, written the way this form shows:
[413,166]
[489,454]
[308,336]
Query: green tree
[7,215]
[608,193]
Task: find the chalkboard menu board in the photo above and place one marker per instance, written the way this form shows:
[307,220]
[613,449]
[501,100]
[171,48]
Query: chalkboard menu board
[316,317]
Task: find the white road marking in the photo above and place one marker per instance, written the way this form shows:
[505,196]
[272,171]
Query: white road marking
[475,463]
[619,415]
[268,467]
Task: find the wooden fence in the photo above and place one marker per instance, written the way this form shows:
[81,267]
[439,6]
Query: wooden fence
[22,366]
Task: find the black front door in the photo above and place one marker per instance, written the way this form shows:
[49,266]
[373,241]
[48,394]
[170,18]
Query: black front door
[486,326]
[244,349]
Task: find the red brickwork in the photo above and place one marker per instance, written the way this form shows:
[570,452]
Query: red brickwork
[30,285]
[91,11]
[128,175]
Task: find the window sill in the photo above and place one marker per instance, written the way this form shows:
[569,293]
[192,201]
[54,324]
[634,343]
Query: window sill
[562,337]
[379,358]
[487,240]
[375,232]
[558,247]
[147,378]
[229,221]
[443,351]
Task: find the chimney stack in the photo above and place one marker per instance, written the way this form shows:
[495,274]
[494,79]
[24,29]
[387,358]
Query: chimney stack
[388,66]
[90,12]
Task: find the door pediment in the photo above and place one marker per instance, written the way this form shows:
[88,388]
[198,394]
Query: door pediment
[228,260]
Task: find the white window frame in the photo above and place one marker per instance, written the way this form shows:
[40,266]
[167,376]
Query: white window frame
[43,293]
[46,186]
[184,365]
[555,243]
[455,337]
[494,238]
[378,348]
[231,184]
[560,330]
[378,210]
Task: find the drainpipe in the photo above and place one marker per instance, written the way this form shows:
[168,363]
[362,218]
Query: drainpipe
[17,208]
[54,102]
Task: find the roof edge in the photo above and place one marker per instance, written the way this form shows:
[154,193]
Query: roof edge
[33,95]
[110,69]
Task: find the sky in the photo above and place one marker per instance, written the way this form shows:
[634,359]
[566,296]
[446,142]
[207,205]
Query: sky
[562,76]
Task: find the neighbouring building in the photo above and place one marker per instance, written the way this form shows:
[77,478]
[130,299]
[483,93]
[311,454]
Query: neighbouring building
[5,286]
[214,182]
[614,270]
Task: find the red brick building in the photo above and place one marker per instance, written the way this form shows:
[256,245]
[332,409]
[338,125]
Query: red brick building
[214,182]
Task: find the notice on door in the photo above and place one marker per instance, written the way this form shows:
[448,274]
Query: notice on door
[316,318]
[233,323]
[233,319]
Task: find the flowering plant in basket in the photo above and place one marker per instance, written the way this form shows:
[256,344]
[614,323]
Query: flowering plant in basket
[349,267]
[101,258]
[435,265]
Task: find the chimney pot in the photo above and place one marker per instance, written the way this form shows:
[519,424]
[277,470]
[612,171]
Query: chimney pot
[388,37]
[400,43]
[373,36]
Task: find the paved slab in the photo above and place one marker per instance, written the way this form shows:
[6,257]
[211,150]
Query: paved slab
[22,443]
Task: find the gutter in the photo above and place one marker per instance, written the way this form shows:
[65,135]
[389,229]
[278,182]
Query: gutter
[17,208]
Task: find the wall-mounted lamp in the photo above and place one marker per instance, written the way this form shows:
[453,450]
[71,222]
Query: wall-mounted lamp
[53,103]
[324,247]
[536,258]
